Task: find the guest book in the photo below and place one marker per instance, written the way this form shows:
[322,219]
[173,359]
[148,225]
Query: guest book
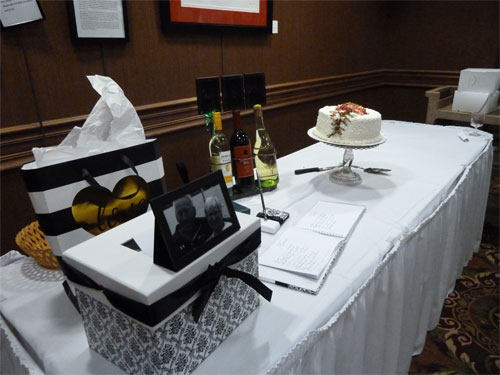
[303,255]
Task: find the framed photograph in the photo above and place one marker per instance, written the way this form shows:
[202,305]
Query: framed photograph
[216,14]
[255,89]
[232,92]
[15,13]
[208,94]
[191,220]
[93,21]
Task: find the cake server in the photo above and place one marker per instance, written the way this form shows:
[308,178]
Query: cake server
[367,170]
[372,170]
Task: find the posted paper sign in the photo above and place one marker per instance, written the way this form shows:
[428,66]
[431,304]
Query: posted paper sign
[99,19]
[17,12]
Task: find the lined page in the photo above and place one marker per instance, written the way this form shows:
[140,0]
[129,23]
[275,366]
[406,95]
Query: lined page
[331,218]
[301,251]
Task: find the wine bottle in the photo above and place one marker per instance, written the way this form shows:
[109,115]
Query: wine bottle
[241,152]
[220,154]
[264,152]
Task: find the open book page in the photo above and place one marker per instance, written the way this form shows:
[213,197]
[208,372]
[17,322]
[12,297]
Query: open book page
[332,219]
[301,251]
[303,256]
[297,281]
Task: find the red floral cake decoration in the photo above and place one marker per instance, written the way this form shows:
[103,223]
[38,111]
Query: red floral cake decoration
[343,114]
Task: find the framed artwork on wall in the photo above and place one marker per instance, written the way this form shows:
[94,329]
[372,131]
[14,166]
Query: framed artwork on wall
[217,14]
[15,13]
[92,20]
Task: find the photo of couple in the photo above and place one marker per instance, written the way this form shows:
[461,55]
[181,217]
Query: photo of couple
[192,220]
[197,221]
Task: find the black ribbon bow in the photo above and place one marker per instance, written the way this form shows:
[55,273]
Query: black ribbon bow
[205,283]
[212,275]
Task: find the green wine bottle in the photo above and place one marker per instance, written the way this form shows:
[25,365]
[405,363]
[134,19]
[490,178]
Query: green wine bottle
[264,152]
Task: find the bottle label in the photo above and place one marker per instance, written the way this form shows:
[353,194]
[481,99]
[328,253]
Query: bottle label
[223,162]
[243,162]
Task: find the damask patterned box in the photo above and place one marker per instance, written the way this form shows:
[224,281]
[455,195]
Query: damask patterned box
[176,345]
[160,334]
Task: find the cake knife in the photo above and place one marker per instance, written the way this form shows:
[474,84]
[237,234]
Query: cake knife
[315,169]
[318,169]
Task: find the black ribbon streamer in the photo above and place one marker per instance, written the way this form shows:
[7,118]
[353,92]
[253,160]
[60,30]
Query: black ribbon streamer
[211,277]
[205,283]
[87,176]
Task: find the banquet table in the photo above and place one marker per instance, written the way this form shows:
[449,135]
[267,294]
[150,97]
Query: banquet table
[423,222]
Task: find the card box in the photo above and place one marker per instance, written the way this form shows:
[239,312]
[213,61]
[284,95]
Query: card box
[174,343]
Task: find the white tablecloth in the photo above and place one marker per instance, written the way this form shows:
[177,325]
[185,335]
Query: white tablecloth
[422,224]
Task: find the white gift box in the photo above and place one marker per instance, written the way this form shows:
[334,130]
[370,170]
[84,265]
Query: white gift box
[468,101]
[157,342]
[479,80]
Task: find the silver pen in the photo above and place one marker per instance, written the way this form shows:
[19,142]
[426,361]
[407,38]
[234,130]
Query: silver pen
[261,195]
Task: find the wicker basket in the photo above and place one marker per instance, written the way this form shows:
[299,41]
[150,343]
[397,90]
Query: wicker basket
[32,241]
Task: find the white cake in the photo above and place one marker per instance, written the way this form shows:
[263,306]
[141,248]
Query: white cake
[349,123]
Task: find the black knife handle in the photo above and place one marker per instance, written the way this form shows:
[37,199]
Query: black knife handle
[306,170]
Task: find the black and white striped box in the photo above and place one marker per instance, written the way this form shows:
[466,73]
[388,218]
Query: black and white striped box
[71,211]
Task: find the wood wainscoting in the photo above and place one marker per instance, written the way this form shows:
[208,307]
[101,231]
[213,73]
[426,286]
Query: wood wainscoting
[176,115]
[291,109]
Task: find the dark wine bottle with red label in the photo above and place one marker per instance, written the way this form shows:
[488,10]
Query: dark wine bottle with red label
[241,153]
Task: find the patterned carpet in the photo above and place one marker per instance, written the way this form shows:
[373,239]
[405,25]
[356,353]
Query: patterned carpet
[495,186]
[466,340]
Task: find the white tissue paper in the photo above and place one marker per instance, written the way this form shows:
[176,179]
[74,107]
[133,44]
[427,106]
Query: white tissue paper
[112,124]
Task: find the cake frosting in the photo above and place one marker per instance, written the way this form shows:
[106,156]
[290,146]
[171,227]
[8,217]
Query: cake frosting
[348,123]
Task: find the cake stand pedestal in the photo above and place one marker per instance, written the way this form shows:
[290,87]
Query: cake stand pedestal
[344,175]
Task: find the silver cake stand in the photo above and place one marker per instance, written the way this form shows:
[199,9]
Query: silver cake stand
[344,175]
